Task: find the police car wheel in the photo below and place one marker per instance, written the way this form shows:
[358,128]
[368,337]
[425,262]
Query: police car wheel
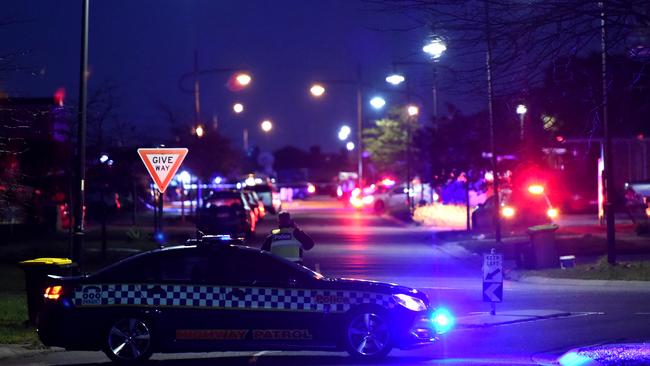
[368,335]
[128,341]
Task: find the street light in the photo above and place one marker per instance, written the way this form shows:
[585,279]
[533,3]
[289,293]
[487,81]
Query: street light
[243,79]
[377,102]
[238,108]
[350,146]
[198,131]
[412,110]
[435,48]
[395,79]
[266,125]
[521,111]
[317,90]
[344,133]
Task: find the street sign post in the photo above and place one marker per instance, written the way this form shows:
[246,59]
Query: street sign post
[492,278]
[162,164]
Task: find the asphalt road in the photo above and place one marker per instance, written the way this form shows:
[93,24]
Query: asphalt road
[354,244]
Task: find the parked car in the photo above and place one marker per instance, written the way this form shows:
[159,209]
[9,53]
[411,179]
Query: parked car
[269,196]
[227,212]
[255,203]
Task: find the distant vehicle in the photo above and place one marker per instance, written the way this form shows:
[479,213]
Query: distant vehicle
[386,195]
[227,212]
[298,190]
[210,296]
[269,196]
[520,208]
[256,204]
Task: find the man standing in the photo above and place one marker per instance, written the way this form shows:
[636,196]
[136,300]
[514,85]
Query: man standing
[287,240]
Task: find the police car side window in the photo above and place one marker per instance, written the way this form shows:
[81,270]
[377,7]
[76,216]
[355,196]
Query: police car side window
[143,269]
[253,268]
[184,267]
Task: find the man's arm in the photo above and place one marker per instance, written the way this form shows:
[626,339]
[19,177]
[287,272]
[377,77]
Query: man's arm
[304,239]
[267,243]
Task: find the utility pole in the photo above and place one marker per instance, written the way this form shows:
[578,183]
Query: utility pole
[609,173]
[78,234]
[488,64]
[359,127]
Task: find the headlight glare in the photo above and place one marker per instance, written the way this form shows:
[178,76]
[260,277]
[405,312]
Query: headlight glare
[410,302]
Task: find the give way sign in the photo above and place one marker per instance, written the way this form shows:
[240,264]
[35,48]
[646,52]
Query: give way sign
[162,164]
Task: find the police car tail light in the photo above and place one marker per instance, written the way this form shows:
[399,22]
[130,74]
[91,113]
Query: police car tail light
[53,292]
[443,321]
[410,302]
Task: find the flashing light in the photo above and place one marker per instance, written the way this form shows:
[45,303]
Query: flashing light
[536,189]
[395,79]
[311,188]
[339,192]
[443,321]
[552,213]
[317,90]
[250,181]
[559,138]
[218,180]
[412,110]
[103,158]
[53,292]
[368,200]
[377,102]
[489,176]
[388,182]
[356,201]
[508,212]
[435,197]
[259,181]
[159,236]
[574,359]
[410,302]
[199,131]
[238,107]
[59,96]
[356,192]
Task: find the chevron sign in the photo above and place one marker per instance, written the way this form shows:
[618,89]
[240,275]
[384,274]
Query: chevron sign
[492,291]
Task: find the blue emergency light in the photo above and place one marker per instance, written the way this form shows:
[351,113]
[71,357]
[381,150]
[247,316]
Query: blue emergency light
[443,321]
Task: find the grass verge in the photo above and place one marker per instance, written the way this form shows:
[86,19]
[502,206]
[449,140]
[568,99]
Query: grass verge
[13,309]
[601,270]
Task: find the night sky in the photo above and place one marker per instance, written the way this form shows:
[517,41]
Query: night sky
[144,46]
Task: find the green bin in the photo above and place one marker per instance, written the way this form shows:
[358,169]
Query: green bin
[542,246]
[36,280]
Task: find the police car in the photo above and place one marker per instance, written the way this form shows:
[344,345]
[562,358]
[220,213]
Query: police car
[215,295]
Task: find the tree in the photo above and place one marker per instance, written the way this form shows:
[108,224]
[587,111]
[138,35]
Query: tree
[387,143]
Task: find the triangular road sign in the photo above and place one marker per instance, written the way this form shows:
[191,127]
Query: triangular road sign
[162,164]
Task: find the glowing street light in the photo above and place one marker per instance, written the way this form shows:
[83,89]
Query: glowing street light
[243,79]
[377,102]
[435,48]
[238,108]
[521,111]
[412,110]
[350,146]
[266,125]
[317,90]
[395,79]
[199,131]
[344,133]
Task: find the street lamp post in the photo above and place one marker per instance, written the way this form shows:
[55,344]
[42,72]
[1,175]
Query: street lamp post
[412,112]
[521,111]
[435,48]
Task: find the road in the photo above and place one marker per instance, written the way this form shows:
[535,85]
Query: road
[355,244]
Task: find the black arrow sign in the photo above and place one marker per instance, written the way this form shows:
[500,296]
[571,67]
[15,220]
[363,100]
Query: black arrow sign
[492,274]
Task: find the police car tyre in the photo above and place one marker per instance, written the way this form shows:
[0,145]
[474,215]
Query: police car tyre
[368,334]
[129,340]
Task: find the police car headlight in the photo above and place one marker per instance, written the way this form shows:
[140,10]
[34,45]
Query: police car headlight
[410,302]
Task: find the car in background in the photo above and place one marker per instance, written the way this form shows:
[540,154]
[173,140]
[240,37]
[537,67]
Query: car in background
[227,212]
[255,203]
[520,207]
[297,190]
[269,196]
[387,195]
[219,296]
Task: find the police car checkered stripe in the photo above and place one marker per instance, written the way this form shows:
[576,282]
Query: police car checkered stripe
[241,298]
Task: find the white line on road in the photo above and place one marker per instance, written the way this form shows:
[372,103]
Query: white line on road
[257,355]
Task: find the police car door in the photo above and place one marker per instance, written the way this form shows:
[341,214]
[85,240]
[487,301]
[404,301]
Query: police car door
[271,299]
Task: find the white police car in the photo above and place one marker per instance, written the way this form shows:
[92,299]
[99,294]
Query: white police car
[213,297]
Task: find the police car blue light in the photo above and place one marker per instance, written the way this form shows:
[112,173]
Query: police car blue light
[442,320]
[214,295]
